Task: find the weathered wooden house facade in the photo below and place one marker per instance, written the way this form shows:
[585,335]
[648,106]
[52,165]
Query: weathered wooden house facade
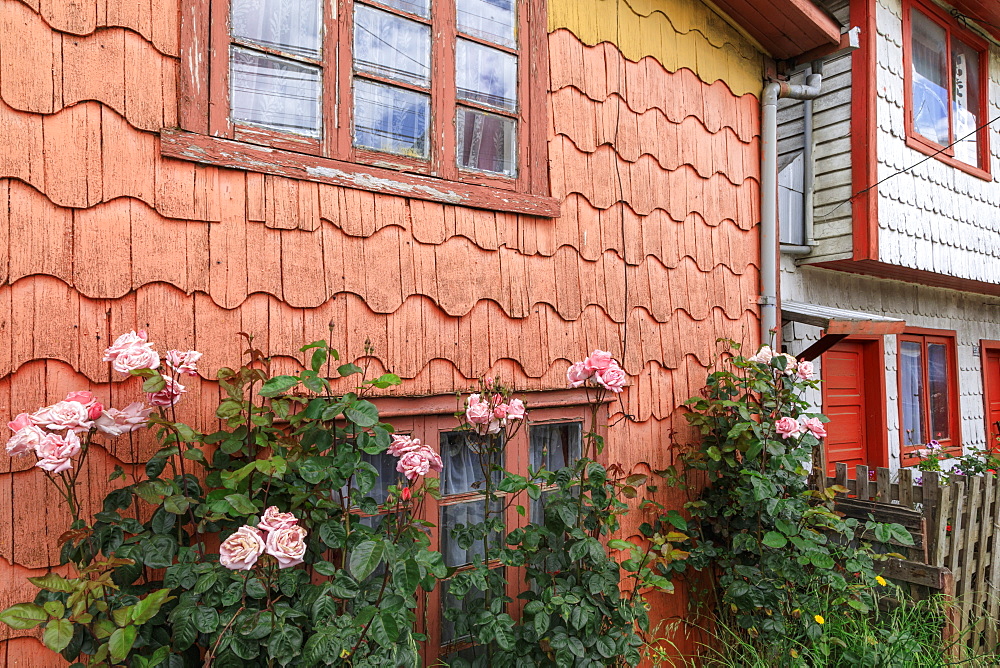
[187,168]
[904,223]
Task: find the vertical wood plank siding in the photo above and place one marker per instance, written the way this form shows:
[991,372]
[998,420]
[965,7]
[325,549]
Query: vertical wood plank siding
[654,160]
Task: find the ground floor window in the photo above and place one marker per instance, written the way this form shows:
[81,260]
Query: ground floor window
[928,389]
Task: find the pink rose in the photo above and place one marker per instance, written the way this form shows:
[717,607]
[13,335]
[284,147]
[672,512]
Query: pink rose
[805,370]
[183,362]
[169,395]
[479,412]
[495,426]
[413,465]
[288,546]
[272,520]
[95,410]
[815,427]
[20,422]
[500,411]
[515,410]
[599,360]
[115,422]
[763,355]
[25,440]
[613,378]
[577,374]
[123,343]
[788,427]
[401,444]
[63,415]
[55,452]
[239,552]
[81,397]
[433,459]
[139,356]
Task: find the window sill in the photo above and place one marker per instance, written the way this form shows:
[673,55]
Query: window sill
[932,150]
[248,157]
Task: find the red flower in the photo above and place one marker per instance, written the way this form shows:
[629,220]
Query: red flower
[407,494]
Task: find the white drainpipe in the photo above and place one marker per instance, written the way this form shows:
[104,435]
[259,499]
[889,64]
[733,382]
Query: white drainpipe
[773,92]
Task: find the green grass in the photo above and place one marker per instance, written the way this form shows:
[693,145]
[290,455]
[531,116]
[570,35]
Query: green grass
[905,636]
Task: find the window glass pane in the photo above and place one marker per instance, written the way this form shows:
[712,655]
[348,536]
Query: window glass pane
[469,512]
[492,20]
[385,464]
[390,119]
[391,46]
[275,92]
[421,8]
[293,26]
[486,142]
[930,79]
[911,391]
[937,385]
[463,465]
[965,101]
[554,446]
[485,75]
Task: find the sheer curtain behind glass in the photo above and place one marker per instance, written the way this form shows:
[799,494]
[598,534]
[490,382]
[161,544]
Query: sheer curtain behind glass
[281,92]
[911,391]
[930,78]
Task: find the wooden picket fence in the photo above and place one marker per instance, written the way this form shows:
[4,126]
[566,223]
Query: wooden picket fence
[955,522]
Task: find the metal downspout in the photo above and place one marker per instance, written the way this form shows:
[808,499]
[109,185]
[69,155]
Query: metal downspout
[774,91]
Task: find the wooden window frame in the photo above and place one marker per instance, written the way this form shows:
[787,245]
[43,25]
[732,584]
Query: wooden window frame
[427,419]
[206,133]
[914,139]
[923,336]
[987,346]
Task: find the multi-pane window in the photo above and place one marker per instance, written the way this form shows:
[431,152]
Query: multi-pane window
[553,438]
[946,88]
[927,390]
[432,86]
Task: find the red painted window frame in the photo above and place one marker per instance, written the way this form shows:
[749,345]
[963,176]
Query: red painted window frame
[987,346]
[923,336]
[914,139]
[204,112]
[427,419]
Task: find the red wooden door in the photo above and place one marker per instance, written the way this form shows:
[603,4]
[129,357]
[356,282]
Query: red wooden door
[845,403]
[991,380]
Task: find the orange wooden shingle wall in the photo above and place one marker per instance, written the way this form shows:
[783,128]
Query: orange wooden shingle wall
[653,257]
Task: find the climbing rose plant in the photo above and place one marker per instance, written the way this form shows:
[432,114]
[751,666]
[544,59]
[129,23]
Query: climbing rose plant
[271,542]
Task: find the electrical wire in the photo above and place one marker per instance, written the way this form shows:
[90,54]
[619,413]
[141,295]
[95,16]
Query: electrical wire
[911,167]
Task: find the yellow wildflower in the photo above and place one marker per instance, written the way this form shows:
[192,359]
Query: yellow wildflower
[881,580]
[819,619]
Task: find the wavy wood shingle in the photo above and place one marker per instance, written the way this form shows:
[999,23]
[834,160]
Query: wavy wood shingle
[653,258]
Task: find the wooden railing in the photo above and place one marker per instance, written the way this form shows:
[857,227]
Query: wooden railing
[955,522]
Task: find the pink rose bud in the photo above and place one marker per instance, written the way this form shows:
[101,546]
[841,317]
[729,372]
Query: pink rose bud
[612,378]
[500,412]
[288,546]
[95,410]
[788,427]
[272,520]
[240,551]
[577,374]
[599,360]
[20,422]
[815,427]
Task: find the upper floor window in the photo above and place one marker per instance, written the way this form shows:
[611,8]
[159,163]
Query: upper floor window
[389,83]
[452,89]
[928,389]
[947,81]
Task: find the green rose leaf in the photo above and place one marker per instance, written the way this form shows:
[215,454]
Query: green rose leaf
[362,413]
[775,540]
[365,558]
[121,641]
[23,616]
[242,504]
[278,385]
[57,634]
